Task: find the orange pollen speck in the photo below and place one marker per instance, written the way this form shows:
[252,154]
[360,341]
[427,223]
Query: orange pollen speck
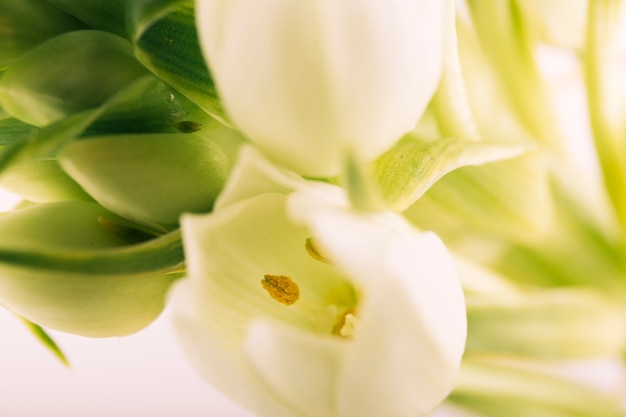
[281,288]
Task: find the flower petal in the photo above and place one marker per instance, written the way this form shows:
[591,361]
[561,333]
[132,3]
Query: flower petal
[252,175]
[412,325]
[334,77]
[411,335]
[226,370]
[300,366]
[231,250]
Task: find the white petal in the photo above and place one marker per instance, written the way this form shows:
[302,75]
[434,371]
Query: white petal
[410,338]
[230,251]
[301,367]
[309,81]
[252,175]
[226,370]
[412,323]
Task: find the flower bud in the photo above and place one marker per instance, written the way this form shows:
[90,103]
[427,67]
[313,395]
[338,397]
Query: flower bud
[311,82]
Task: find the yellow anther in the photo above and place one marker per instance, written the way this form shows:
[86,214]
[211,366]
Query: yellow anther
[281,288]
[312,248]
[349,325]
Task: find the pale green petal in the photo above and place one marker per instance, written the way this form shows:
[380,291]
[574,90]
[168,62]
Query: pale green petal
[300,366]
[606,92]
[410,168]
[148,178]
[479,279]
[450,104]
[507,199]
[62,225]
[93,65]
[558,22]
[253,174]
[60,268]
[556,324]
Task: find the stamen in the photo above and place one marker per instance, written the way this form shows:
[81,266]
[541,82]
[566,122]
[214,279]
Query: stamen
[312,248]
[349,325]
[281,288]
[346,325]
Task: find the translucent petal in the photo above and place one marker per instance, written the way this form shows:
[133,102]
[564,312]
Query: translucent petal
[334,77]
[301,367]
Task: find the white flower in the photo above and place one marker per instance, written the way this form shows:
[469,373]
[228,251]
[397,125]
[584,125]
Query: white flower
[297,306]
[313,82]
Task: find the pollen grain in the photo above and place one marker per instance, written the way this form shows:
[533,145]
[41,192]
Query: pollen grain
[281,288]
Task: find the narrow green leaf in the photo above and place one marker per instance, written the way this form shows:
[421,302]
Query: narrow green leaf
[166,42]
[46,340]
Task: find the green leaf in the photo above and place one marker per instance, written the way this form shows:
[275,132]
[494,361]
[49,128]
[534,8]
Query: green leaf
[412,166]
[150,106]
[500,390]
[133,102]
[13,130]
[26,23]
[62,269]
[68,236]
[70,73]
[106,15]
[46,340]
[45,142]
[166,42]
[42,181]
[149,178]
